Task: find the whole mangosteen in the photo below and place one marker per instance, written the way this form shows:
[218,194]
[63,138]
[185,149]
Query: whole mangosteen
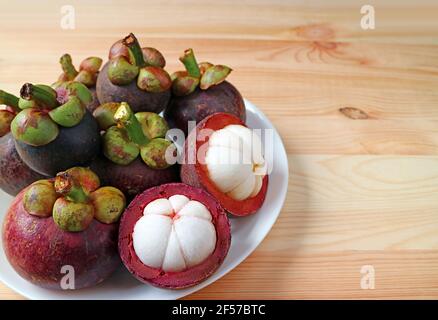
[200,91]
[14,173]
[134,75]
[174,236]
[134,149]
[64,222]
[87,75]
[224,157]
[54,131]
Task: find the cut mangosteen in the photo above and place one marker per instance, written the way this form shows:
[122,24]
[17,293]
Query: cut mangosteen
[225,158]
[200,91]
[87,75]
[134,75]
[174,236]
[64,222]
[54,131]
[134,149]
[14,173]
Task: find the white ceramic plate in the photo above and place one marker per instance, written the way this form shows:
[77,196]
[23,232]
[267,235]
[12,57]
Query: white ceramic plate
[247,234]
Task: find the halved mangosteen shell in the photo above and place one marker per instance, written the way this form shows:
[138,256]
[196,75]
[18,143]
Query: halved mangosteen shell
[188,277]
[38,249]
[196,174]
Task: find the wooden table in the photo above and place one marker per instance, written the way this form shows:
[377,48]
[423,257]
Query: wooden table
[357,110]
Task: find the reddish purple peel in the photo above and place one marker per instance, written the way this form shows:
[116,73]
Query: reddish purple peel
[37,249]
[196,106]
[188,277]
[14,173]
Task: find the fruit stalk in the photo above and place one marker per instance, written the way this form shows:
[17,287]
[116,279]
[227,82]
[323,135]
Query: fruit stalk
[68,67]
[126,119]
[189,61]
[41,96]
[135,50]
[67,185]
[9,100]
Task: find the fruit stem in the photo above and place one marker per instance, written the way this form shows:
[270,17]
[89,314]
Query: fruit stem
[39,95]
[126,119]
[189,61]
[134,48]
[68,67]
[66,185]
[9,100]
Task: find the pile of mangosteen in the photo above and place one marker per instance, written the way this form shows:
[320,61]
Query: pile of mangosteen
[98,180]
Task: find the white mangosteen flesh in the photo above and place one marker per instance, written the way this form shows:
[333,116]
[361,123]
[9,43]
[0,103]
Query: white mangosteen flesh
[235,162]
[174,234]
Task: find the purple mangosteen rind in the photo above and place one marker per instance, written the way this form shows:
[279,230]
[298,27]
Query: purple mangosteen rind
[173,280]
[14,173]
[78,145]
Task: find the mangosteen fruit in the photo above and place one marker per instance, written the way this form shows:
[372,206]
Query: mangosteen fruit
[200,91]
[134,149]
[174,236]
[64,222]
[134,75]
[54,131]
[87,75]
[14,173]
[224,157]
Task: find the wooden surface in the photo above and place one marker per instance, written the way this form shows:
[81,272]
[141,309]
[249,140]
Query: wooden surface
[357,110]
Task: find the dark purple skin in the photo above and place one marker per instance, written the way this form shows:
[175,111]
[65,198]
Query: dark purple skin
[38,249]
[137,99]
[75,146]
[14,173]
[196,106]
[133,178]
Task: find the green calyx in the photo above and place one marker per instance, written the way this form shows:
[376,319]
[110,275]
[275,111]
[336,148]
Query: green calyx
[153,79]
[153,57]
[34,127]
[74,199]
[154,153]
[104,114]
[6,118]
[45,109]
[118,147]
[202,75]
[142,133]
[213,76]
[9,110]
[121,71]
[70,113]
[108,204]
[9,100]
[129,62]
[87,74]
[39,198]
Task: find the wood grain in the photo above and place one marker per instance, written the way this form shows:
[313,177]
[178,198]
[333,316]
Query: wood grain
[357,111]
